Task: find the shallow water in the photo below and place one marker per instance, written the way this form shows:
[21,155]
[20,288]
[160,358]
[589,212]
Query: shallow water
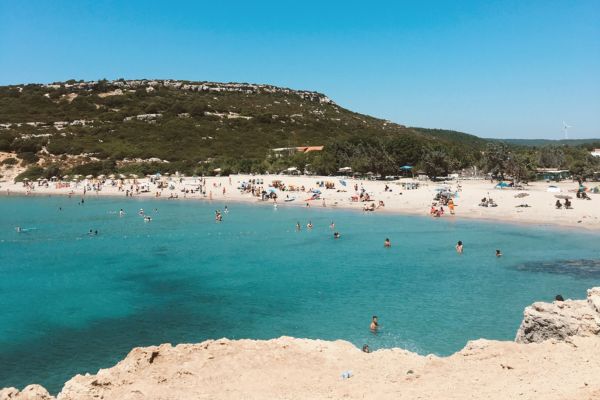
[72,303]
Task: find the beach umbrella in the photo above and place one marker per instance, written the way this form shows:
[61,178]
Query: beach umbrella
[112,176]
[66,177]
[121,176]
[26,179]
[562,196]
[88,177]
[521,195]
[406,167]
[317,191]
[133,176]
[342,182]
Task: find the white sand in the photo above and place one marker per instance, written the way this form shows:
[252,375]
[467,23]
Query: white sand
[585,213]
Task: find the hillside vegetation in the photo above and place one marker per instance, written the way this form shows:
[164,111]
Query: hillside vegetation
[145,126]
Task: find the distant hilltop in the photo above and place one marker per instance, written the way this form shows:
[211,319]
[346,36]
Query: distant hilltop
[193,86]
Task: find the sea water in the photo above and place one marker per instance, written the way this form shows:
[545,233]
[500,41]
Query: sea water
[72,303]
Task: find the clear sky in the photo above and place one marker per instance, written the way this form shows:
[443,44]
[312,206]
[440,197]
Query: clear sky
[513,68]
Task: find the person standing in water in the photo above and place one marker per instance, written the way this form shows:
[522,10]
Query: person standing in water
[374,324]
[459,247]
[498,253]
[309,225]
[387,243]
[298,227]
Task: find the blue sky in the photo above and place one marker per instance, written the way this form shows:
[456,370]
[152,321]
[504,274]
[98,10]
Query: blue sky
[491,68]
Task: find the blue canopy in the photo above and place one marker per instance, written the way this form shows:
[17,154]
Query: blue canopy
[406,167]
[502,185]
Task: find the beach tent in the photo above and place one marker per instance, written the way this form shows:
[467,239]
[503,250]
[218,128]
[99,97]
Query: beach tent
[502,185]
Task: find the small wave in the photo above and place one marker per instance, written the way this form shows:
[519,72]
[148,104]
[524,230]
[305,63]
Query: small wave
[583,268]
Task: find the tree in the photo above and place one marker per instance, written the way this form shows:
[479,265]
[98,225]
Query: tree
[436,163]
[520,166]
[551,157]
[496,159]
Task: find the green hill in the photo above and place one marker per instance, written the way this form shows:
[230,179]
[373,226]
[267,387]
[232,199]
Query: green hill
[196,126]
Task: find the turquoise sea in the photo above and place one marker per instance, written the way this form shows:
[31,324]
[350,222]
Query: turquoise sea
[72,303]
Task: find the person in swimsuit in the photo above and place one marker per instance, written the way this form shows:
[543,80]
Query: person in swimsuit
[374,324]
[387,243]
[459,247]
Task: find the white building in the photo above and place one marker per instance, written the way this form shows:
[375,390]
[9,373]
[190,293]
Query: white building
[596,152]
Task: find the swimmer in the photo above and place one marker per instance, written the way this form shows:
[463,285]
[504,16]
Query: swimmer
[331,225]
[298,227]
[336,235]
[121,212]
[141,212]
[226,210]
[147,218]
[459,247]
[18,229]
[374,324]
[387,243]
[498,253]
[309,225]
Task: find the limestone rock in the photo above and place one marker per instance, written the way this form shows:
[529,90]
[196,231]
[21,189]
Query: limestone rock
[31,392]
[561,320]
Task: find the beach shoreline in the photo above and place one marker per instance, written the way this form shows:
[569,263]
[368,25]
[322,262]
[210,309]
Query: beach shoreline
[415,202]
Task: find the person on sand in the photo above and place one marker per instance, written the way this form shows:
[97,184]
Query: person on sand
[451,206]
[387,243]
[559,298]
[366,349]
[459,247]
[498,253]
[374,324]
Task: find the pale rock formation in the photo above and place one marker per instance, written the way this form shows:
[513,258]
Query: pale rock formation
[31,392]
[561,319]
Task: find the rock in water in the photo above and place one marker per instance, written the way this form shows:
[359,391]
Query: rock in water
[561,319]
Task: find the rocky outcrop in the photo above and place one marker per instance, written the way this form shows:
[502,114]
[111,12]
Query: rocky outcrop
[561,320]
[31,392]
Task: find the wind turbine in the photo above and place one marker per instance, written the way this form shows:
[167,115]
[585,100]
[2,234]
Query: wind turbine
[566,129]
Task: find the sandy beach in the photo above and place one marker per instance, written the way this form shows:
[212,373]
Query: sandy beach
[399,198]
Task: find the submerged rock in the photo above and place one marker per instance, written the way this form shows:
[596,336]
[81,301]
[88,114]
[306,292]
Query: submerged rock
[561,320]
